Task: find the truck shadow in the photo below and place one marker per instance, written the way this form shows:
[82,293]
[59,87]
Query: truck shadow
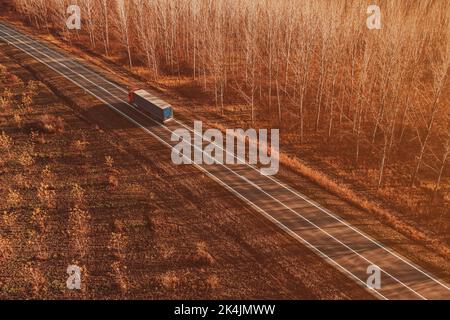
[109,118]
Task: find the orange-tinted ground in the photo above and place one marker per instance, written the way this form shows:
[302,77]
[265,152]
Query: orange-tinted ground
[81,186]
[190,100]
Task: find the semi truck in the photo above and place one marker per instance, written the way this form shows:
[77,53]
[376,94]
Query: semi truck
[157,108]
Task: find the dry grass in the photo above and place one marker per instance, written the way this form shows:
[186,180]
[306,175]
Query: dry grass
[118,244]
[39,218]
[5,142]
[388,216]
[169,280]
[9,218]
[203,255]
[5,249]
[109,161]
[52,124]
[113,181]
[213,282]
[13,198]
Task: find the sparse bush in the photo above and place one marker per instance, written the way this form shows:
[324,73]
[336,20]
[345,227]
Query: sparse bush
[5,249]
[18,120]
[13,198]
[78,230]
[37,137]
[26,159]
[203,255]
[7,94]
[3,71]
[118,273]
[80,145]
[32,87]
[169,280]
[13,79]
[5,142]
[109,161]
[35,279]
[52,124]
[78,195]
[213,282]
[9,219]
[46,195]
[27,100]
[22,181]
[113,181]
[5,104]
[39,218]
[47,175]
[118,244]
[79,219]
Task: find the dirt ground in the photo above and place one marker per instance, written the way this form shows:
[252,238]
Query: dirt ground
[81,186]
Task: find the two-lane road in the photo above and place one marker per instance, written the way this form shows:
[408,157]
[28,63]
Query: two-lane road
[341,244]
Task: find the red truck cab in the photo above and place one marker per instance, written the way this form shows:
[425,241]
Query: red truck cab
[131,96]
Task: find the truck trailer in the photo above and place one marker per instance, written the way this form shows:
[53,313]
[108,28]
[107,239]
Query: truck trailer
[157,108]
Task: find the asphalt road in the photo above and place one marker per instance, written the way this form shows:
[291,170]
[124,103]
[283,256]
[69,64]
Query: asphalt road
[341,244]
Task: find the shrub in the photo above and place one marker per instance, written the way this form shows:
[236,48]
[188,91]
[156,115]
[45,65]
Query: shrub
[9,219]
[5,142]
[203,255]
[27,100]
[78,194]
[3,71]
[46,195]
[7,94]
[32,87]
[169,280]
[18,120]
[113,181]
[52,124]
[39,217]
[13,199]
[26,159]
[5,249]
[109,161]
[80,145]
[118,271]
[5,103]
[213,282]
[117,244]
[36,279]
[13,79]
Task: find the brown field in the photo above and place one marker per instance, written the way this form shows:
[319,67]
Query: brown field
[364,118]
[81,191]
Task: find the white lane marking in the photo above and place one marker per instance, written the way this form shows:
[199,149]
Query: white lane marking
[303,197]
[80,75]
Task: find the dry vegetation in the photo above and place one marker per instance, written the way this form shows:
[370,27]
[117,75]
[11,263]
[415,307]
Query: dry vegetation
[138,227]
[369,106]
